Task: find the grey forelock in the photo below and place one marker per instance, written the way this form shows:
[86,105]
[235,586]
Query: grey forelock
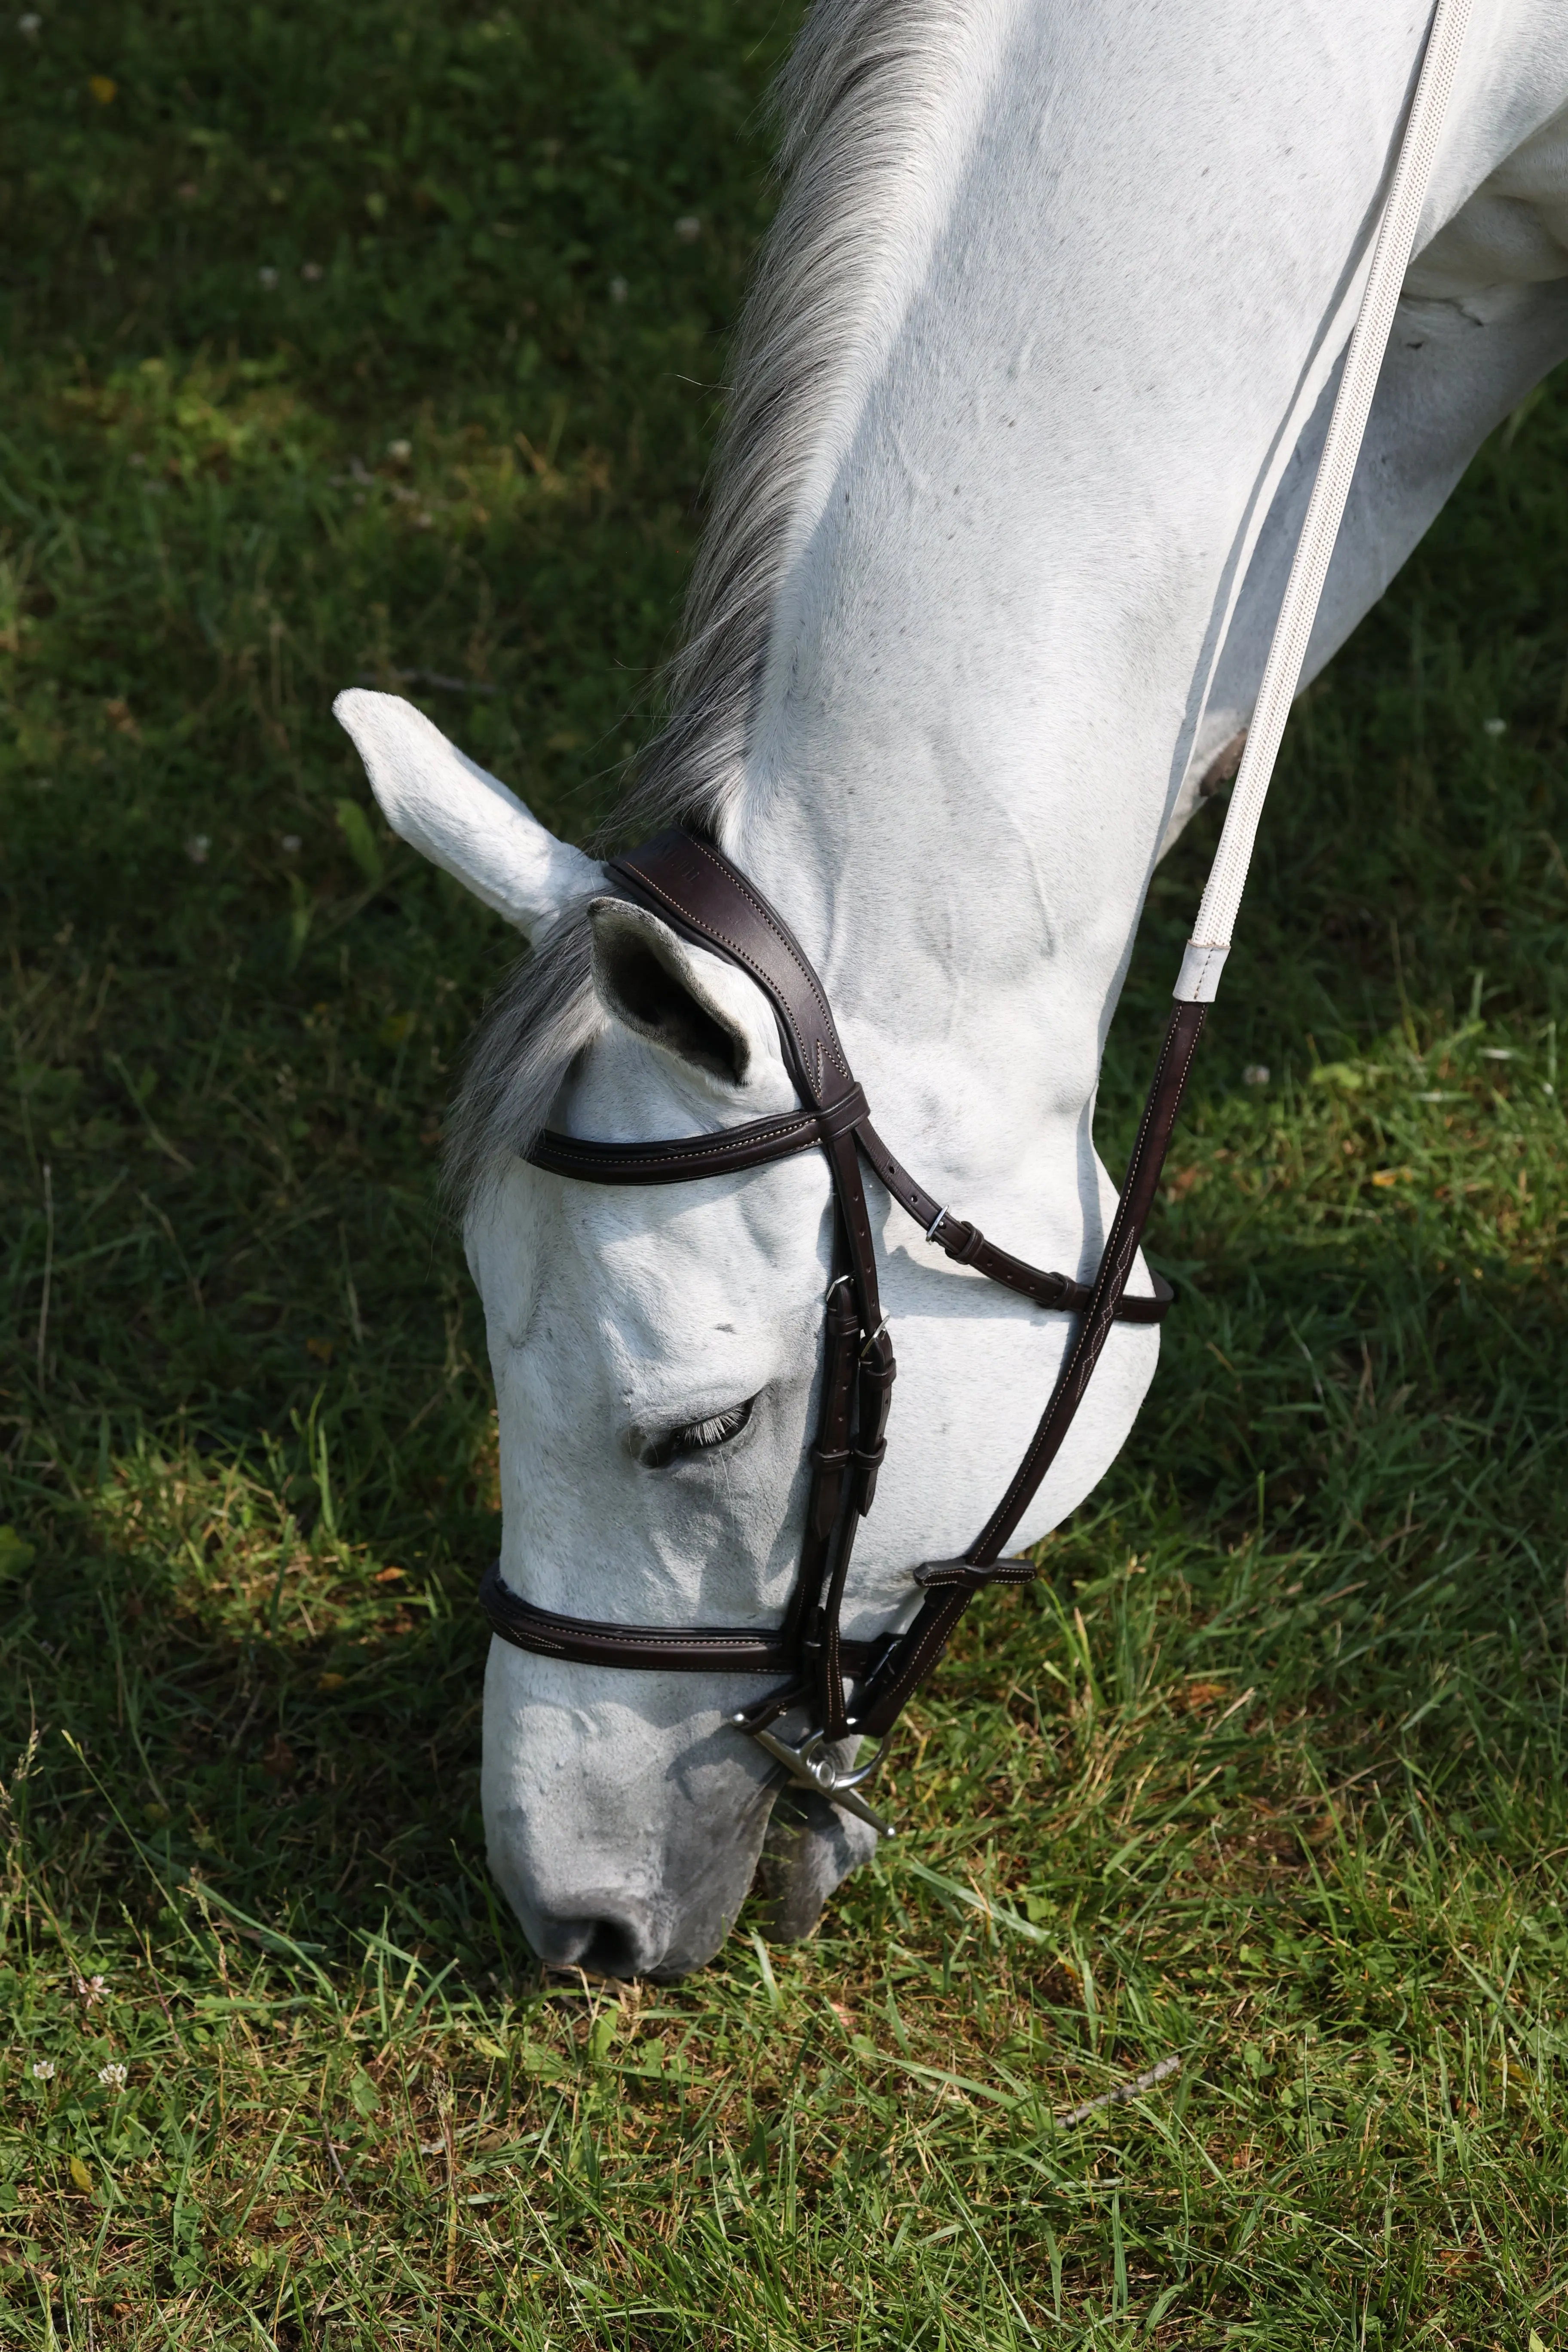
[534,1029]
[862,75]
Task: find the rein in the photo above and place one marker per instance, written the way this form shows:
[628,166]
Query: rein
[695,888]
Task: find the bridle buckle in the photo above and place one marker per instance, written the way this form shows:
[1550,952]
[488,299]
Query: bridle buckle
[811,1767]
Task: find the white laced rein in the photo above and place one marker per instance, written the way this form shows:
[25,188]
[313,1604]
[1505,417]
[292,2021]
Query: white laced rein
[1198,981]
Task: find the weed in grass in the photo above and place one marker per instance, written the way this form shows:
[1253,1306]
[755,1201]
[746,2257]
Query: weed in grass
[378,341]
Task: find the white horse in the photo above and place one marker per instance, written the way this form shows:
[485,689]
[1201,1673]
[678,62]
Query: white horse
[1027,398]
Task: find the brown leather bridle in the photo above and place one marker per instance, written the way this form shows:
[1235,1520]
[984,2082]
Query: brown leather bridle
[696,890]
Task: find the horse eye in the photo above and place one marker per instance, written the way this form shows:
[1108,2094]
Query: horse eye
[691,1437]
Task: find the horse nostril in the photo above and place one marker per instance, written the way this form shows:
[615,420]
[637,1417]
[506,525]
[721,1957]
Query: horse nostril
[612,1951]
[611,1947]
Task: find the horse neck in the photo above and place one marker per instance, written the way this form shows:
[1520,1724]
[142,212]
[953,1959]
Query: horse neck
[1108,290]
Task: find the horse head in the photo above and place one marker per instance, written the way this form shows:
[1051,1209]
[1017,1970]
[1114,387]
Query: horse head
[657,1354]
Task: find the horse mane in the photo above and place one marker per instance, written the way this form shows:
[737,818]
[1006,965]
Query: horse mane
[863,79]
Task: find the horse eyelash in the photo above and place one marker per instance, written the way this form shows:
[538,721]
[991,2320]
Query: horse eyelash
[702,1436]
[695,1436]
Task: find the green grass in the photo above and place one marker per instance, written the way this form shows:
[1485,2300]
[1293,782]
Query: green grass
[1266,1774]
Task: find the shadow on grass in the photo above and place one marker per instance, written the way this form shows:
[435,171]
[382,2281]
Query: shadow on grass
[291,1718]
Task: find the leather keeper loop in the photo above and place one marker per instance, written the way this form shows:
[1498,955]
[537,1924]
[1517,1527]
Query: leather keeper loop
[847,1112]
[962,1576]
[876,1398]
[829,1472]
[866,1468]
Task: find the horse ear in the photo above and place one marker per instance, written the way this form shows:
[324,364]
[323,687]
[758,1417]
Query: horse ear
[460,818]
[692,1004]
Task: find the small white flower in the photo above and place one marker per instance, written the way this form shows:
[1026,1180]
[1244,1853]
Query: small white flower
[1255,1075]
[197,844]
[91,1988]
[1494,727]
[112,2077]
[619,289]
[289,842]
[689,229]
[28,27]
[311,271]
[268,277]
[400,452]
[43,2070]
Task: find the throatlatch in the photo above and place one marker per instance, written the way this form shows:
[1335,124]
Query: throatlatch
[694,888]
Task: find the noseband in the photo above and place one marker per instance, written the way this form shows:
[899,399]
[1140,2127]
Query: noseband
[699,894]
[697,891]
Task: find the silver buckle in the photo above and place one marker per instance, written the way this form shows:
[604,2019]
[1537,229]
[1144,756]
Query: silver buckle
[935,1226]
[873,1340]
[809,1767]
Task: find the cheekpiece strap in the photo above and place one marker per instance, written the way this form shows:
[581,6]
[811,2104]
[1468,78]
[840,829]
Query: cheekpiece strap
[695,887]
